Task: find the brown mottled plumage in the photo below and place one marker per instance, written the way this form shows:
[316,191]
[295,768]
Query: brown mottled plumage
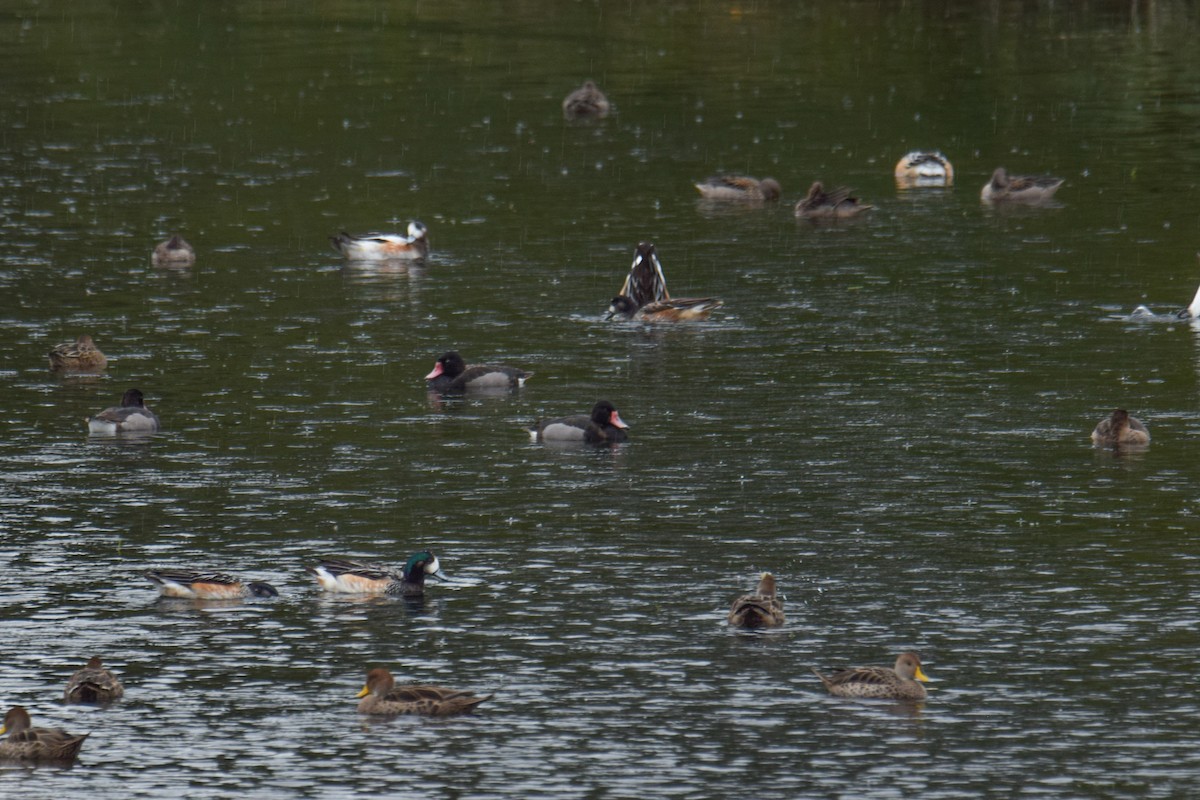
[27,743]
[1019,188]
[759,609]
[895,683]
[93,684]
[739,188]
[586,101]
[1120,429]
[174,252]
[382,697]
[835,204]
[82,355]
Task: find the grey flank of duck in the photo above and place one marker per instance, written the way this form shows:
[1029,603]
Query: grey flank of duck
[1029,189]
[603,426]
[452,375]
[132,416]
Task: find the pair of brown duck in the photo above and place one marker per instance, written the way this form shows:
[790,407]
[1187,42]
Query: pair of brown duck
[92,684]
[763,609]
[818,204]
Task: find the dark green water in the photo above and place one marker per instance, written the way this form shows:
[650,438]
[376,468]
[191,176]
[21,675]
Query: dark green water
[892,416]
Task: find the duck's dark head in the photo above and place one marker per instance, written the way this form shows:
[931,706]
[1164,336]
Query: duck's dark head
[1000,178]
[605,413]
[260,589]
[421,564]
[451,365]
[621,306]
[133,397]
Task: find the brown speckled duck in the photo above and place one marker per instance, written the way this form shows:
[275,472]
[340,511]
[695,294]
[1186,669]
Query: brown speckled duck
[82,355]
[382,697]
[27,743]
[93,684]
[1031,189]
[740,189]
[759,609]
[1119,430]
[586,102]
[901,682]
[174,252]
[838,203]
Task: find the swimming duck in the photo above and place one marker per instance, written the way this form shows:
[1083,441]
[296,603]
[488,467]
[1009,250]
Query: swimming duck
[80,356]
[924,168]
[1120,429]
[190,585]
[603,426]
[174,252]
[132,416]
[382,697]
[27,743]
[836,204]
[349,576]
[1005,188]
[759,609]
[93,684]
[384,246]
[738,188]
[586,101]
[451,375]
[680,309]
[896,683]
[645,282]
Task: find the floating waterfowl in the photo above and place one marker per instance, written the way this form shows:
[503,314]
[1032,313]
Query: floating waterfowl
[132,416]
[901,682]
[82,355]
[924,168]
[586,102]
[452,375]
[759,609]
[93,684]
[174,252]
[603,426]
[191,585]
[1119,429]
[1031,189]
[349,576]
[740,189]
[679,309]
[645,282]
[382,697]
[38,745]
[384,246]
[835,204]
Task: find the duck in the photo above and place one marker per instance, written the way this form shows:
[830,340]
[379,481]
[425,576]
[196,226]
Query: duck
[586,102]
[349,576]
[901,682]
[645,282]
[452,375]
[27,743]
[93,684]
[740,188]
[924,168]
[174,252]
[191,585]
[382,697]
[835,204]
[132,416]
[1191,312]
[759,609]
[384,246]
[82,355]
[603,426]
[1119,429]
[1005,188]
[680,309]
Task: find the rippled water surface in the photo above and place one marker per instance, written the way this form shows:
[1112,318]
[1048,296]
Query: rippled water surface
[890,415]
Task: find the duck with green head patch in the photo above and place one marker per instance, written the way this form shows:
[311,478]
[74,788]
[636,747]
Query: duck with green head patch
[350,576]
